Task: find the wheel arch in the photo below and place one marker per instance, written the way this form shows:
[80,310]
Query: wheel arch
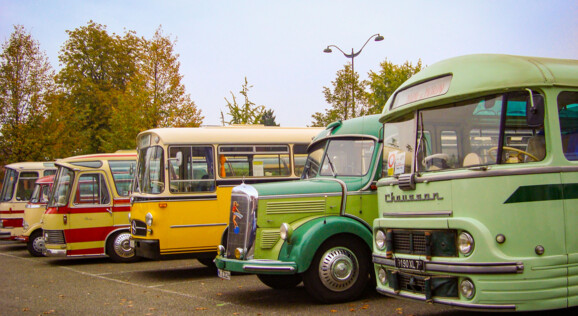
[111,234]
[307,238]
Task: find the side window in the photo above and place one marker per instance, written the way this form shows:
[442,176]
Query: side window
[91,190]
[191,169]
[26,183]
[254,161]
[49,172]
[299,158]
[521,142]
[568,116]
[122,174]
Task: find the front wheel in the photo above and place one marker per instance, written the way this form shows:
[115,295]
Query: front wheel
[35,243]
[339,271]
[119,249]
[280,282]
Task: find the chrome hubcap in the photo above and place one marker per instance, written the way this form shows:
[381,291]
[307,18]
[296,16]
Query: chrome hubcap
[38,244]
[122,246]
[338,269]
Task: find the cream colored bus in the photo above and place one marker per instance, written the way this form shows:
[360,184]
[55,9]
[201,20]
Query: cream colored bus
[181,194]
[19,180]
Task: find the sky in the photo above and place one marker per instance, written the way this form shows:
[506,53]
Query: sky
[278,45]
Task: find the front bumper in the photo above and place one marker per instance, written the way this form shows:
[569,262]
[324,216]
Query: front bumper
[256,266]
[54,252]
[147,248]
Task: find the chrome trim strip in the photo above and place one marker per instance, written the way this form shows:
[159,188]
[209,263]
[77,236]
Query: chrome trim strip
[248,267]
[199,225]
[295,196]
[418,214]
[469,174]
[457,267]
[447,302]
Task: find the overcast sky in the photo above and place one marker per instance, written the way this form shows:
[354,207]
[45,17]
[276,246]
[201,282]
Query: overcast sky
[278,45]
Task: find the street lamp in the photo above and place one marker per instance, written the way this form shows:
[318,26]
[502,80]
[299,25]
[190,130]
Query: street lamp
[352,56]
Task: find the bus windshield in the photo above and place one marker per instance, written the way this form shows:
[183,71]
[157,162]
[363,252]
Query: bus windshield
[62,187]
[150,171]
[464,135]
[9,184]
[339,157]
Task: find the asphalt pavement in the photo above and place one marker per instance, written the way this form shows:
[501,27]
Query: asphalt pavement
[97,286]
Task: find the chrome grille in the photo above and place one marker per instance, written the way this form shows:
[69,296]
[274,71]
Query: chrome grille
[54,237]
[138,228]
[242,221]
[408,241]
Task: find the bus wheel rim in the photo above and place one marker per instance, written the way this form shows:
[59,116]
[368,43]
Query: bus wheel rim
[122,246]
[338,269]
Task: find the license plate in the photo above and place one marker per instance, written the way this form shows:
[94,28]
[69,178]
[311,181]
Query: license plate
[410,264]
[224,274]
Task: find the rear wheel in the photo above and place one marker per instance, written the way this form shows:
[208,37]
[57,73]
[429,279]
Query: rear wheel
[280,282]
[35,243]
[339,271]
[119,249]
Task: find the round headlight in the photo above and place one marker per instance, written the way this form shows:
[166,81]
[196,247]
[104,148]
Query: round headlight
[465,243]
[382,276]
[149,219]
[286,231]
[467,289]
[380,239]
[239,253]
[221,250]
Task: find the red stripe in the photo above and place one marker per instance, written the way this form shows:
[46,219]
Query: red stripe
[12,222]
[84,252]
[51,210]
[12,212]
[87,234]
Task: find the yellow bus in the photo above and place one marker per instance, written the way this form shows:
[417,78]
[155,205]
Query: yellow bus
[88,207]
[19,180]
[182,188]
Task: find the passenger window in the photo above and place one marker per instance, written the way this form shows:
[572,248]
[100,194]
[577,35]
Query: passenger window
[299,158]
[254,161]
[92,189]
[568,116]
[122,174]
[26,183]
[191,169]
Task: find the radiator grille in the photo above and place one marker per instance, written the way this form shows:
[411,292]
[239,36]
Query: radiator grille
[138,228]
[54,237]
[410,242]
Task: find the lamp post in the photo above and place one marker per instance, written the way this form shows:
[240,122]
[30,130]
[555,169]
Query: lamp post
[352,56]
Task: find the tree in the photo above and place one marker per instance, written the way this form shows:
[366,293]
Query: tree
[26,81]
[384,83]
[268,118]
[246,113]
[340,98]
[166,105]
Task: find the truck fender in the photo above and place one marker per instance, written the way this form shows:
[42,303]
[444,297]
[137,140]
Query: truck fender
[307,238]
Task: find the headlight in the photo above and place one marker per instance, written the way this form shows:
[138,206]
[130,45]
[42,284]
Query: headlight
[221,250]
[239,253]
[286,231]
[467,289]
[380,239]
[382,276]
[149,219]
[465,243]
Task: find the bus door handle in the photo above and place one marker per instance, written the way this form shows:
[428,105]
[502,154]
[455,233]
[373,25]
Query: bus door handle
[109,210]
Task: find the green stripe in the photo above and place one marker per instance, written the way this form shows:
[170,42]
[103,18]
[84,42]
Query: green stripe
[544,192]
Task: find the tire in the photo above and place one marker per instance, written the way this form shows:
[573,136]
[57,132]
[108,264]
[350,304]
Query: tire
[35,244]
[340,270]
[118,248]
[280,282]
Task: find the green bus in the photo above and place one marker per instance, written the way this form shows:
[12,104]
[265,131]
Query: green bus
[316,229]
[478,202]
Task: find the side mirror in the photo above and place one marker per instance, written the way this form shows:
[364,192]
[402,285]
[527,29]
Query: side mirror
[179,158]
[535,110]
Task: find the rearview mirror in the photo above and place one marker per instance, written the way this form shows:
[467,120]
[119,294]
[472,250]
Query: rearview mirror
[535,110]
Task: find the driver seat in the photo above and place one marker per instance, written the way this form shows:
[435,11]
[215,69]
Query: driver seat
[472,159]
[537,147]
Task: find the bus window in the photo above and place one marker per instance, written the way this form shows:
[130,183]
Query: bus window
[150,175]
[26,183]
[568,116]
[191,169]
[347,158]
[254,161]
[122,175]
[299,158]
[91,189]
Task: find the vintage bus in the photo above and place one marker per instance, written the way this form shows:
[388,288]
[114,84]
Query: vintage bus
[32,229]
[478,204]
[87,213]
[19,179]
[317,229]
[184,178]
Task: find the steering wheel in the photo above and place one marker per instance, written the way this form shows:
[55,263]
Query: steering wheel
[432,161]
[520,153]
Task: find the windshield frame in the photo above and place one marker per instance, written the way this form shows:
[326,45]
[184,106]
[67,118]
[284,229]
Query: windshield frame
[56,198]
[10,180]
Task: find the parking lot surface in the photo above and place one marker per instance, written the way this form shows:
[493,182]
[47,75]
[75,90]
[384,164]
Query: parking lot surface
[97,286]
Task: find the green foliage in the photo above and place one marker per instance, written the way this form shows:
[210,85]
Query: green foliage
[26,82]
[268,118]
[246,113]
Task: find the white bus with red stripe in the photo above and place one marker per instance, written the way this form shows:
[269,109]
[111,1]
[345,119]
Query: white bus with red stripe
[88,209]
[19,180]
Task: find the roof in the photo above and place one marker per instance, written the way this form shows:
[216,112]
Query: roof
[233,135]
[31,165]
[483,74]
[83,161]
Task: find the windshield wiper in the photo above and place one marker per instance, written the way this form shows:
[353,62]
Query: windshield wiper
[333,173]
